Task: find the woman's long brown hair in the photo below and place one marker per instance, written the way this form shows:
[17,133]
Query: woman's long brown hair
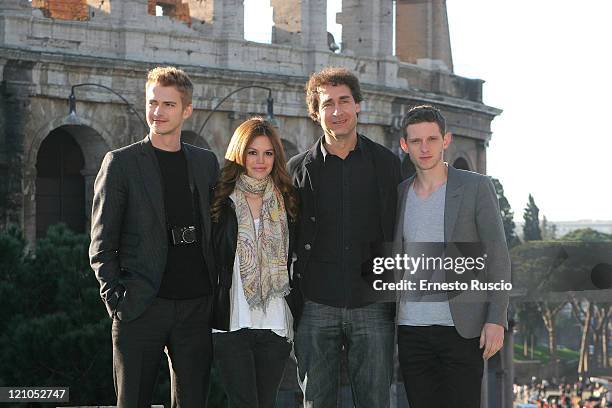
[235,158]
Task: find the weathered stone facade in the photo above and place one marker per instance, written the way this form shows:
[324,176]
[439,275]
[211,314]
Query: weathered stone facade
[47,46]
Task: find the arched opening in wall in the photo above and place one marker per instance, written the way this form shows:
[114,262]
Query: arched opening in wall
[60,185]
[258,29]
[408,168]
[176,9]
[461,164]
[334,30]
[192,138]
[290,149]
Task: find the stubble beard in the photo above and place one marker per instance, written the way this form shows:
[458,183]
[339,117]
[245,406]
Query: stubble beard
[345,135]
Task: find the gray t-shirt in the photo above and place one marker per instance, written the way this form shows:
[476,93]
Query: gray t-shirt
[424,222]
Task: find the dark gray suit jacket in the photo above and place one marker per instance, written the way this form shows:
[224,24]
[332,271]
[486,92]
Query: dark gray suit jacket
[129,239]
[471,214]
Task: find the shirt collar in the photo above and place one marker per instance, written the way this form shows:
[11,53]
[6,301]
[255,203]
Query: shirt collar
[324,152]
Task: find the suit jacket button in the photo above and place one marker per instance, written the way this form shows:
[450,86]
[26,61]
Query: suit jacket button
[307,247]
[313,219]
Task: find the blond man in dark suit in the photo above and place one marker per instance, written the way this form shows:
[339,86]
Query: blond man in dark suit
[151,250]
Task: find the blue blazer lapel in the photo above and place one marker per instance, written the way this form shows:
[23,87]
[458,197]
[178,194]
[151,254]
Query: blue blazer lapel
[452,202]
[151,175]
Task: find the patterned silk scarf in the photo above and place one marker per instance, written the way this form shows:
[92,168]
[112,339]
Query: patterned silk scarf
[263,255]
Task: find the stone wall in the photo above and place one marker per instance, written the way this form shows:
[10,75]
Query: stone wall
[41,56]
[47,46]
[63,9]
[176,9]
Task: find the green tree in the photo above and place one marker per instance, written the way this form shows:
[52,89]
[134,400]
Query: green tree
[548,271]
[507,215]
[12,256]
[536,269]
[531,227]
[587,235]
[593,315]
[54,329]
[528,319]
[549,231]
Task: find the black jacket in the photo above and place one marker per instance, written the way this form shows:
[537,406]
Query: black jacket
[305,170]
[225,238]
[129,236]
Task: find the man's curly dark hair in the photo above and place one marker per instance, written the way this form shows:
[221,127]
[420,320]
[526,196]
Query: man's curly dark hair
[330,76]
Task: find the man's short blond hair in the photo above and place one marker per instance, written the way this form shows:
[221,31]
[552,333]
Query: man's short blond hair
[172,76]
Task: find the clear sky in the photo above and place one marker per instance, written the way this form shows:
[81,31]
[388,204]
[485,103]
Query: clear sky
[546,64]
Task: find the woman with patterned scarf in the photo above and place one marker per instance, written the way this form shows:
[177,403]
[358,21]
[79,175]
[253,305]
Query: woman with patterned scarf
[253,213]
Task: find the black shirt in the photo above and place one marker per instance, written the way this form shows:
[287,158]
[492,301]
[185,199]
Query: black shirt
[348,222]
[185,275]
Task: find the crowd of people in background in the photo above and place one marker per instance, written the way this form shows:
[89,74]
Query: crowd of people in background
[589,393]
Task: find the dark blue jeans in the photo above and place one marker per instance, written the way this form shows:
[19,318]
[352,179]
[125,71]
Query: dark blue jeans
[367,333]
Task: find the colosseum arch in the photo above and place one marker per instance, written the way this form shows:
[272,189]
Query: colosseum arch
[61,165]
[461,163]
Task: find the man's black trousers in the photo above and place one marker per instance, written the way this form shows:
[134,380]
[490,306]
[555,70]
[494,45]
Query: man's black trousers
[181,327]
[440,368]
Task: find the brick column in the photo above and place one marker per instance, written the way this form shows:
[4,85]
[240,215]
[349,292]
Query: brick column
[422,35]
[367,27]
[301,23]
[228,19]
[101,5]
[63,9]
[201,10]
[130,10]
[179,10]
